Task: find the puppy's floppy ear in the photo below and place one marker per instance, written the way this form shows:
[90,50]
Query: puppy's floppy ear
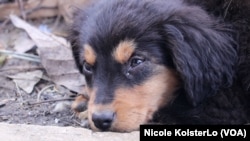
[78,31]
[204,53]
[74,37]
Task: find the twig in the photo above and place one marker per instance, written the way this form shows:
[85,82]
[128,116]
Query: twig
[47,101]
[21,8]
[40,93]
[35,8]
[38,7]
[24,56]
[20,68]
[18,78]
[77,122]
[18,91]
[24,12]
[57,21]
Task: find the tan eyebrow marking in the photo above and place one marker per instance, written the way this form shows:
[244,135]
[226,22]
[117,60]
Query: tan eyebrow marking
[123,51]
[89,54]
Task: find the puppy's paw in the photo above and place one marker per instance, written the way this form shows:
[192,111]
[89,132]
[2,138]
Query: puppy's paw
[79,106]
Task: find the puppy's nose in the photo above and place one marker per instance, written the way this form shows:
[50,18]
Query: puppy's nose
[103,119]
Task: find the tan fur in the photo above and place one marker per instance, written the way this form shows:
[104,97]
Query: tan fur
[124,51]
[79,99]
[89,54]
[135,106]
[92,107]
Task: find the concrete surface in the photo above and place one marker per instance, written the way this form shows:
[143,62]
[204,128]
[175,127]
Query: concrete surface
[19,132]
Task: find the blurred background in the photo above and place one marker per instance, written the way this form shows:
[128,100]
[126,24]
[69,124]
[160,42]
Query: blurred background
[38,77]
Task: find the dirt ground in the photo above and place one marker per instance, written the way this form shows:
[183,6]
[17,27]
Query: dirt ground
[38,81]
[44,106]
[47,103]
[16,108]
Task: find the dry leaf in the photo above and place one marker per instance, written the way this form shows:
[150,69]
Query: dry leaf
[56,56]
[27,80]
[23,44]
[41,39]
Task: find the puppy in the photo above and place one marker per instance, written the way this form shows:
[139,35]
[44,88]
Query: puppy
[164,61]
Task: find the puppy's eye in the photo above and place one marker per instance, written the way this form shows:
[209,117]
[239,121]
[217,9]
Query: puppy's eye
[135,61]
[87,68]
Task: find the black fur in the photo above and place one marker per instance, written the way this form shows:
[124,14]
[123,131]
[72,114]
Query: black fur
[206,42]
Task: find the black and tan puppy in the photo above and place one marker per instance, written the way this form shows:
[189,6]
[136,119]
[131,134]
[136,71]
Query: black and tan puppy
[164,61]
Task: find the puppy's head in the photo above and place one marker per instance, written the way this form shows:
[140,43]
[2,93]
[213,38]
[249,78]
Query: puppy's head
[136,54]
